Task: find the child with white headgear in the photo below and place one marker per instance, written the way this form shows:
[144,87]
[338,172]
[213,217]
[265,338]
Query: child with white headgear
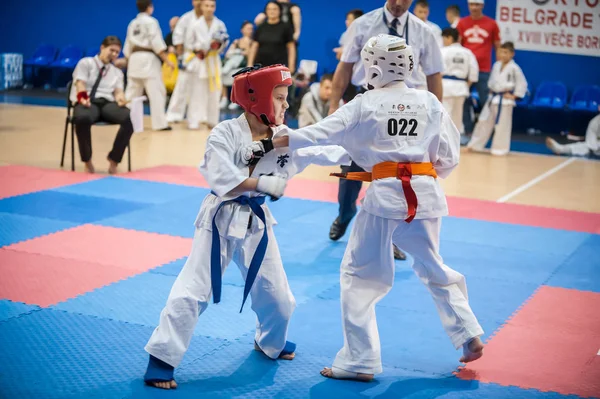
[405,140]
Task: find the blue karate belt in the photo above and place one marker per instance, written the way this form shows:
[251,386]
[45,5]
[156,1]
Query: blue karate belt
[501,94]
[451,77]
[215,255]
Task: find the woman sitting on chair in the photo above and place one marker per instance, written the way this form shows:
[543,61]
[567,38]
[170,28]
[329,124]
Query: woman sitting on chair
[97,92]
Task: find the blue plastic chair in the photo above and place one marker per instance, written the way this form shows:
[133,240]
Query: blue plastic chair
[68,57]
[524,102]
[44,55]
[550,95]
[585,98]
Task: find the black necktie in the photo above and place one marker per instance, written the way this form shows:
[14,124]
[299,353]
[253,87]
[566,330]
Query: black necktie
[97,83]
[393,30]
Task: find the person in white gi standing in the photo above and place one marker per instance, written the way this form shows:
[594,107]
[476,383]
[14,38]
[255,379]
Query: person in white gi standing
[460,72]
[144,49]
[208,41]
[507,83]
[181,93]
[234,222]
[393,19]
[405,139]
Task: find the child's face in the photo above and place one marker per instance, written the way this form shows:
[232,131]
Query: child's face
[349,20]
[325,89]
[447,40]
[504,55]
[280,104]
[421,12]
[248,30]
[208,8]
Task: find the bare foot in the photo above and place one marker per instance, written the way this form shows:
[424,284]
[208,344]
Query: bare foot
[89,167]
[346,375]
[289,356]
[472,350]
[164,384]
[112,167]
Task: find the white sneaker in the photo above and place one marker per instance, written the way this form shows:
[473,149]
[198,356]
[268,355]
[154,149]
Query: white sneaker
[224,102]
[233,107]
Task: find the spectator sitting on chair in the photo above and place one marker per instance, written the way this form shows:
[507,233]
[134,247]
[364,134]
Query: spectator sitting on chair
[315,103]
[591,145]
[98,93]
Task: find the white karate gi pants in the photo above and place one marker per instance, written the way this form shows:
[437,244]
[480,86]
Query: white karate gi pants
[180,97]
[272,299]
[157,96]
[580,149]
[204,104]
[502,133]
[367,275]
[454,107]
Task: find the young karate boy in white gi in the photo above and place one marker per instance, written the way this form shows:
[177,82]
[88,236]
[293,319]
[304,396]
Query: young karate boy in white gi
[145,48]
[460,72]
[209,39]
[404,139]
[234,223]
[507,84]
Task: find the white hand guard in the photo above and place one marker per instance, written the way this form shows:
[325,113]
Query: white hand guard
[254,152]
[273,186]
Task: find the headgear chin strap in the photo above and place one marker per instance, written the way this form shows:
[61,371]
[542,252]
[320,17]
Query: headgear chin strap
[253,89]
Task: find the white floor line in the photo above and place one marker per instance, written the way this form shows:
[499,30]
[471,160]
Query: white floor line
[536,180]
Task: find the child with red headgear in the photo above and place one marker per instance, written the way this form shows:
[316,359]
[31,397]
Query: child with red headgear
[234,223]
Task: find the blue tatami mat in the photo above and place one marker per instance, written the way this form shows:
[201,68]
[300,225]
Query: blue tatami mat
[485,260]
[133,190]
[55,354]
[15,228]
[582,270]
[66,207]
[237,371]
[10,309]
[174,218]
[503,235]
[130,301]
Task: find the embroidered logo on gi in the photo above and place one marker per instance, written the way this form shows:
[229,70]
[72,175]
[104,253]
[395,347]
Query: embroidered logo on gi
[282,160]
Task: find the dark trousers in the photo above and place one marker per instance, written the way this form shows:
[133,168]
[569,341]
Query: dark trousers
[105,111]
[348,194]
[349,189]
[483,90]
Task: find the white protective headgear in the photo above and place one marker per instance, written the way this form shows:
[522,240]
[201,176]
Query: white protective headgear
[386,58]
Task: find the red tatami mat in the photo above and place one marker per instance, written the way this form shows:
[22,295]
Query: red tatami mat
[17,179]
[132,250]
[551,344]
[46,280]
[184,175]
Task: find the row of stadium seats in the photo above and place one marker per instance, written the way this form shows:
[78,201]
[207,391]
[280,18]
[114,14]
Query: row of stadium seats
[47,55]
[553,95]
[550,95]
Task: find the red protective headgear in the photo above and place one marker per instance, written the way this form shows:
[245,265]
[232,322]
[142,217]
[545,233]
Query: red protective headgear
[253,89]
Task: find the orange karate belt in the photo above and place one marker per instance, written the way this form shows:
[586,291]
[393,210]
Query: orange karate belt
[403,171]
